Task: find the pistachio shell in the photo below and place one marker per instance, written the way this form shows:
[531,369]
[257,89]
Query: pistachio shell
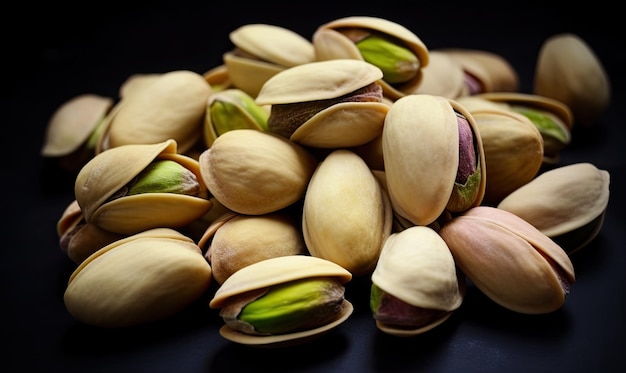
[346,214]
[569,71]
[136,280]
[562,200]
[330,43]
[442,77]
[254,172]
[136,83]
[111,170]
[73,122]
[417,267]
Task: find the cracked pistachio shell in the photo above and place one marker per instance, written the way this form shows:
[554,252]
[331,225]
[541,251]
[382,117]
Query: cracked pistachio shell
[417,267]
[253,172]
[421,155]
[562,201]
[342,124]
[346,215]
[139,279]
[218,78]
[513,151]
[569,71]
[442,77]
[509,260]
[172,106]
[554,139]
[330,43]
[240,240]
[113,169]
[73,122]
[275,271]
[263,50]
[486,71]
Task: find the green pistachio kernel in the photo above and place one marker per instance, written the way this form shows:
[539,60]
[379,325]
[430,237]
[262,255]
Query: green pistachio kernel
[545,122]
[398,63]
[165,176]
[235,109]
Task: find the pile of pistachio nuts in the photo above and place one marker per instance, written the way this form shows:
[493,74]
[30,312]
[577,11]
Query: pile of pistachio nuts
[297,165]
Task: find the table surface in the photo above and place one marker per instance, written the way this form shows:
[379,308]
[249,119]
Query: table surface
[95,51]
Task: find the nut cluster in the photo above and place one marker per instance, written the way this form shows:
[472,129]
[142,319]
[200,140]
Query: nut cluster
[299,164]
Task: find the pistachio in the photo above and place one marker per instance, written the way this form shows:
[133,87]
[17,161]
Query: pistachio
[398,63]
[509,260]
[288,307]
[165,176]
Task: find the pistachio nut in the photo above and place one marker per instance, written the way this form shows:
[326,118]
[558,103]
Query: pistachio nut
[102,185]
[136,280]
[236,240]
[255,172]
[137,83]
[261,51]
[74,130]
[566,203]
[485,71]
[231,109]
[416,285]
[172,106]
[390,46]
[443,76]
[346,214]
[326,104]
[569,71]
[283,300]
[218,78]
[509,260]
[422,180]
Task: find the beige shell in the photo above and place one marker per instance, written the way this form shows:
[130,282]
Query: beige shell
[421,155]
[241,240]
[346,214]
[136,280]
[218,78]
[569,71]
[137,83]
[492,71]
[330,43]
[111,170]
[509,260]
[268,49]
[73,122]
[562,200]
[171,107]
[254,172]
[417,267]
[443,76]
[274,271]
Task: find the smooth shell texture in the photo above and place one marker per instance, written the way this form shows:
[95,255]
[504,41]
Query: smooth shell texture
[276,271]
[253,172]
[110,170]
[569,71]
[508,259]
[493,71]
[248,74]
[346,215]
[562,199]
[247,239]
[73,122]
[139,279]
[318,81]
[442,77]
[330,44]
[421,155]
[137,83]
[171,107]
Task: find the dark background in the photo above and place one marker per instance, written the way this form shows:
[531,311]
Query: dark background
[55,51]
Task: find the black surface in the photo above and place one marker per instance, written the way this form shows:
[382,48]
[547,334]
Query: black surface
[57,51]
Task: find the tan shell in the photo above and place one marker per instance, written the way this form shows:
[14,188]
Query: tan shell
[271,48]
[569,71]
[493,71]
[417,267]
[274,271]
[442,77]
[110,170]
[331,44]
[73,122]
[254,172]
[218,78]
[509,260]
[245,239]
[171,107]
[562,200]
[346,214]
[137,83]
[139,279]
